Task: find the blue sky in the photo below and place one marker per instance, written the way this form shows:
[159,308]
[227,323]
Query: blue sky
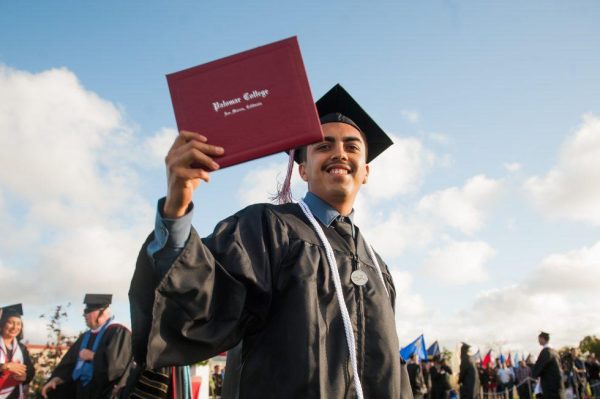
[487,210]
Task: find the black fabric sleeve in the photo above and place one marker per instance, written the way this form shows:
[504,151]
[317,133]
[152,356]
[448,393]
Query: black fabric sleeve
[118,352]
[67,363]
[540,363]
[217,290]
[28,363]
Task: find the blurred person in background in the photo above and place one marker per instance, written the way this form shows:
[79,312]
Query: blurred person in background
[16,368]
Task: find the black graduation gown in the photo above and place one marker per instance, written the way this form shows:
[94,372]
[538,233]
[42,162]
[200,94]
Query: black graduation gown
[440,382]
[547,367]
[468,378]
[260,287]
[417,382]
[110,363]
[29,374]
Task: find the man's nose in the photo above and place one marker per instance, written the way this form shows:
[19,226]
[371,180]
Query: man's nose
[339,151]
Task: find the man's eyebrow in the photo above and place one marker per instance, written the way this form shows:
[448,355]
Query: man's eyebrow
[331,139]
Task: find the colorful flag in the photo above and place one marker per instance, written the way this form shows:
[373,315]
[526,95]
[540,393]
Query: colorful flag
[487,359]
[434,349]
[417,346]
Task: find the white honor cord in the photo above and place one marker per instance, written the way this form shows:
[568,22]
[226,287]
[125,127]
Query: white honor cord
[340,296]
[338,290]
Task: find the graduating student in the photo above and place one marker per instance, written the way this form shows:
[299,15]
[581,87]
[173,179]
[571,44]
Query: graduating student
[293,292]
[97,360]
[547,368]
[16,368]
[468,376]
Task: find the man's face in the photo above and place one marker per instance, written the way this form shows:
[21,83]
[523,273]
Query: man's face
[542,341]
[91,319]
[336,167]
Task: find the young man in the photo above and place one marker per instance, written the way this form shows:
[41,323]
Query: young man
[547,368]
[95,363]
[293,292]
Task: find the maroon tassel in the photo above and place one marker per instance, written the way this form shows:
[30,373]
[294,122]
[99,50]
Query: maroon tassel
[284,191]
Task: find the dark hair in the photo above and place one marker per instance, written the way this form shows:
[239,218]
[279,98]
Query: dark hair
[4,320]
[301,154]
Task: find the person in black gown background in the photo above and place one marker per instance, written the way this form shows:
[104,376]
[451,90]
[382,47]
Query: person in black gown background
[440,378]
[547,368]
[95,363]
[16,368]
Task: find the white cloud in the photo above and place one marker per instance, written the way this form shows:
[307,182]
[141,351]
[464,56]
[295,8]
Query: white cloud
[570,190]
[439,138]
[574,271]
[459,262]
[157,146]
[72,217]
[559,296]
[408,303]
[410,115]
[399,170]
[462,208]
[512,166]
[391,232]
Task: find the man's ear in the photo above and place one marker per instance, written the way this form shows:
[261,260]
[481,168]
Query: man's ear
[366,175]
[302,171]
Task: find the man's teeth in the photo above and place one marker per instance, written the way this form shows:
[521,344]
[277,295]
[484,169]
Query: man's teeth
[339,171]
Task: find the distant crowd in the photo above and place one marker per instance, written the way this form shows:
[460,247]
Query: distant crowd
[566,376]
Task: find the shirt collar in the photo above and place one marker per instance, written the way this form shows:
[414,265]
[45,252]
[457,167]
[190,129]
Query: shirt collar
[322,210]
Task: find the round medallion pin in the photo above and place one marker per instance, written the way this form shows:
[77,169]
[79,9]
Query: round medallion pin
[359,277]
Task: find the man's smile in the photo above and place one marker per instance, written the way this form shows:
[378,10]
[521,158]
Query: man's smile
[338,169]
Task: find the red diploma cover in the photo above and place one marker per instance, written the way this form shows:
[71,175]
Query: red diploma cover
[7,380]
[252,104]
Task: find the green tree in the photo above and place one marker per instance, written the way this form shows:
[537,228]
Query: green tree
[446,354]
[56,346]
[590,344]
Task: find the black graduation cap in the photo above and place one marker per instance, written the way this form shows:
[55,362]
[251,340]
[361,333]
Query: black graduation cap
[11,310]
[544,335]
[96,301]
[337,105]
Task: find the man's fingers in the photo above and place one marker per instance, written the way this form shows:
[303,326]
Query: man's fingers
[208,149]
[187,136]
[193,173]
[191,157]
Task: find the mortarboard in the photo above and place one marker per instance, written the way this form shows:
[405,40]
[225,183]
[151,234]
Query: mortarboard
[544,335]
[337,105]
[96,301]
[11,310]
